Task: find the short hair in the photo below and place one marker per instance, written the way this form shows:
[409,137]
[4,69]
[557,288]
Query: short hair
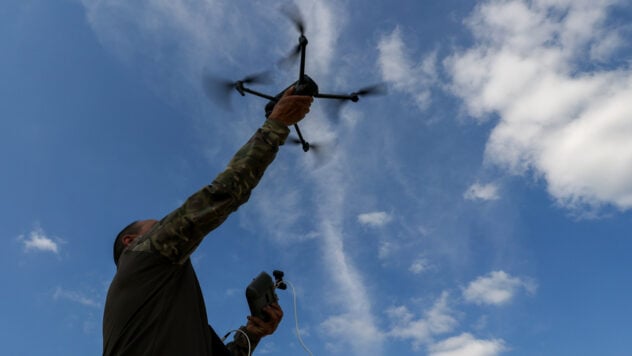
[119,246]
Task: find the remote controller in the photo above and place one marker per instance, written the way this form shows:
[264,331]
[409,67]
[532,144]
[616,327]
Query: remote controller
[260,293]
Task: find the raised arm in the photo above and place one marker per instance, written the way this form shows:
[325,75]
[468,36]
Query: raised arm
[179,233]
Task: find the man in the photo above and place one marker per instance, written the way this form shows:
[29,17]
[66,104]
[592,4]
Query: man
[155,305]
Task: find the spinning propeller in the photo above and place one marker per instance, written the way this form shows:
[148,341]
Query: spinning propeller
[292,12]
[335,106]
[219,89]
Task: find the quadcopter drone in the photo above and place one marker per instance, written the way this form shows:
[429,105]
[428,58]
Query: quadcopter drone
[303,86]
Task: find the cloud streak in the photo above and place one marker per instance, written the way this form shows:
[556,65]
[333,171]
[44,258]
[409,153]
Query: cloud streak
[356,324]
[153,28]
[75,297]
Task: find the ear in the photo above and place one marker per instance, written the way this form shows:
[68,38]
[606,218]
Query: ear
[127,239]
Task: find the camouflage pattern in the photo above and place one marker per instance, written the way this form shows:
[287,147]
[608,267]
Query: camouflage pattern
[179,233]
[239,345]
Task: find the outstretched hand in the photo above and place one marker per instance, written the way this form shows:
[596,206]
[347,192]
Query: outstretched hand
[259,328]
[291,108]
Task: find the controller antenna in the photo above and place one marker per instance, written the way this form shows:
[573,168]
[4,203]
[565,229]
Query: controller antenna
[278,278]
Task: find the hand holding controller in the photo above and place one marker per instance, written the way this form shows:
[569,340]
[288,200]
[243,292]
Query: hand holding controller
[260,293]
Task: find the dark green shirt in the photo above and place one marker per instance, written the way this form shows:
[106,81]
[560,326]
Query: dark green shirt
[155,305]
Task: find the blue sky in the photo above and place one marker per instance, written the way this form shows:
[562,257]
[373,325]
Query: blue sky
[482,207]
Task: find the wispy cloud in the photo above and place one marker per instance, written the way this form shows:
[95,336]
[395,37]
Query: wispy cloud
[436,321]
[356,325]
[467,345]
[478,191]
[325,21]
[39,241]
[497,288]
[405,74]
[278,208]
[386,249]
[375,219]
[75,297]
[419,266]
[443,318]
[348,331]
[545,69]
[151,28]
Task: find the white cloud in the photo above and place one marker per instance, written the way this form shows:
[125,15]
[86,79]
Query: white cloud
[325,21]
[403,73]
[496,288]
[363,337]
[353,324]
[438,320]
[155,22]
[278,208]
[479,191]
[375,219]
[39,241]
[419,265]
[75,297]
[560,116]
[386,250]
[466,345]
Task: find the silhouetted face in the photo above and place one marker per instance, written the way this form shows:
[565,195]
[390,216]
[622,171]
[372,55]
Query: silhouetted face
[144,226]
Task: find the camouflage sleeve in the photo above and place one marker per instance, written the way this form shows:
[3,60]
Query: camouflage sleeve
[178,234]
[239,345]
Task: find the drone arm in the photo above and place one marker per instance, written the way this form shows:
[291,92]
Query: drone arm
[304,143]
[303,46]
[352,97]
[256,93]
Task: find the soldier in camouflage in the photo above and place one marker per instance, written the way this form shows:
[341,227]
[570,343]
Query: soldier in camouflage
[154,304]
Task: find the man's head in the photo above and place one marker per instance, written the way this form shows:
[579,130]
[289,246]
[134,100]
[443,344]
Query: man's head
[129,233]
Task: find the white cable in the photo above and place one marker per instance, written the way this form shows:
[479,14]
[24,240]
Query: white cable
[247,339]
[298,332]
